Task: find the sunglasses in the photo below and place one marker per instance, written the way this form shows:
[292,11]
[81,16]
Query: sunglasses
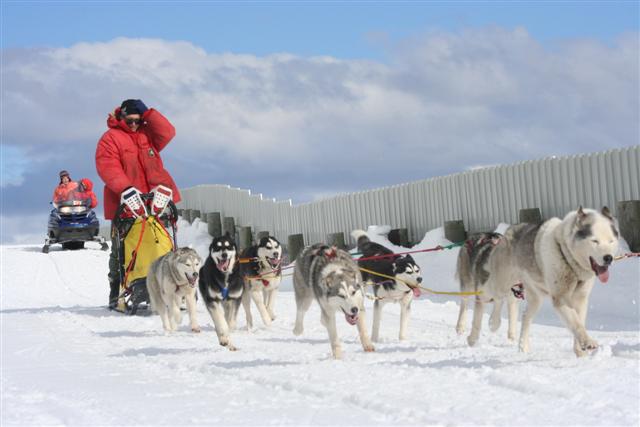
[133,121]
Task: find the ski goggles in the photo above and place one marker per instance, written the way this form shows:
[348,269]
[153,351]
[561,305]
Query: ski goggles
[132,121]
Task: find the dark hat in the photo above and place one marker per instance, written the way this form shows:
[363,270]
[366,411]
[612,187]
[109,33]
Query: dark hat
[130,106]
[63,173]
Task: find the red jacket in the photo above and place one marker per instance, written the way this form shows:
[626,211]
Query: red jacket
[63,192]
[87,194]
[125,158]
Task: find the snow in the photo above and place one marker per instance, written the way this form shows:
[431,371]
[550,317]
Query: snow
[66,360]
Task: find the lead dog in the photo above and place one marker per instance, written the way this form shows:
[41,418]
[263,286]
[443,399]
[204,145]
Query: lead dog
[331,277]
[401,289]
[170,278]
[221,287]
[561,259]
[262,275]
[485,265]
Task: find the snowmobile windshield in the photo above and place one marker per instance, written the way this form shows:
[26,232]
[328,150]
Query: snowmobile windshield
[73,206]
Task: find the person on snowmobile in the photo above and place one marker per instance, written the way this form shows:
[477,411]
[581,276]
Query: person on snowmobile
[128,161]
[85,193]
[65,188]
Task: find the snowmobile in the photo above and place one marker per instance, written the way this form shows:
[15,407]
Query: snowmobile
[72,223]
[142,236]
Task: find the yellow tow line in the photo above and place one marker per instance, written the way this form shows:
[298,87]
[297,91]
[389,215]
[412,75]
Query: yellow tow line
[420,287]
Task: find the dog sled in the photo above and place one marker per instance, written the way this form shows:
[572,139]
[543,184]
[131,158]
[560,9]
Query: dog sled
[142,237]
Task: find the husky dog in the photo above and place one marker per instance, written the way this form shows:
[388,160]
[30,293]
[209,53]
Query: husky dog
[332,277]
[401,290]
[484,264]
[221,287]
[561,259]
[170,278]
[262,276]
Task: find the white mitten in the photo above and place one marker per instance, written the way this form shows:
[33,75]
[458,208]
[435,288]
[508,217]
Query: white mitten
[133,200]
[161,197]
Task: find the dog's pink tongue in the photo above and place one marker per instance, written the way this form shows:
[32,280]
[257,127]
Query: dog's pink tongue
[416,292]
[352,320]
[603,275]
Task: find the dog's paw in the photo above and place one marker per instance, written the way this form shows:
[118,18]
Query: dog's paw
[460,330]
[297,331]
[195,329]
[472,340]
[523,347]
[588,344]
[368,347]
[494,323]
[337,353]
[232,347]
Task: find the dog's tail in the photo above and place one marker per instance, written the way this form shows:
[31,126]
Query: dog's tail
[361,237]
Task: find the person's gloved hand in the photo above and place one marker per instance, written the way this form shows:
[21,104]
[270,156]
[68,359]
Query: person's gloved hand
[140,106]
[161,197]
[131,197]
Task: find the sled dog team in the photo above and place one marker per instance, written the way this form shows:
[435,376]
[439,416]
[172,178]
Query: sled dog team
[559,258]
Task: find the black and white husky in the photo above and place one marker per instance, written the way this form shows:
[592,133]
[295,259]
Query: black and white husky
[221,287]
[262,276]
[329,275]
[401,289]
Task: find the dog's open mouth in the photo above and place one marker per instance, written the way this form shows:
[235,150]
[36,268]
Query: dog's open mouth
[191,279]
[351,319]
[602,271]
[223,265]
[416,292]
[274,262]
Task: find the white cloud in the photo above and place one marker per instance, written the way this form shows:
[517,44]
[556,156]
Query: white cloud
[289,126]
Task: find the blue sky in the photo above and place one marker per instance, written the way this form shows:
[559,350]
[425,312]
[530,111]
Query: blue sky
[340,29]
[263,93]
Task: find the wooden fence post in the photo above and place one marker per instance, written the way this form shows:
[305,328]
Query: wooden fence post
[295,244]
[531,216]
[454,231]
[214,226]
[195,213]
[629,221]
[229,226]
[187,215]
[336,239]
[399,237]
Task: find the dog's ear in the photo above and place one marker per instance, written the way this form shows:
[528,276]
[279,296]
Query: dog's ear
[607,213]
[580,215]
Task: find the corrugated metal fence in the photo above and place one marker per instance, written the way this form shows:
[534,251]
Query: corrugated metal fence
[482,198]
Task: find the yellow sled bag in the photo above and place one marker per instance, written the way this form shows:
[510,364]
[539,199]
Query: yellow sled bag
[146,241]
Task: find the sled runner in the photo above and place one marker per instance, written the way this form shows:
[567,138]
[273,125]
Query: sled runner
[143,235]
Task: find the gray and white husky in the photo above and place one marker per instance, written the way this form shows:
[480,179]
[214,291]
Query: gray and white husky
[485,265]
[329,275]
[262,276]
[170,278]
[561,259]
[400,285]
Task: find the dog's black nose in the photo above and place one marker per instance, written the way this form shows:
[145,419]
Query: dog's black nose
[419,279]
[608,259]
[275,254]
[224,255]
[354,310]
[195,274]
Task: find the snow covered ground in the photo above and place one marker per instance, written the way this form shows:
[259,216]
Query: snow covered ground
[66,360]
